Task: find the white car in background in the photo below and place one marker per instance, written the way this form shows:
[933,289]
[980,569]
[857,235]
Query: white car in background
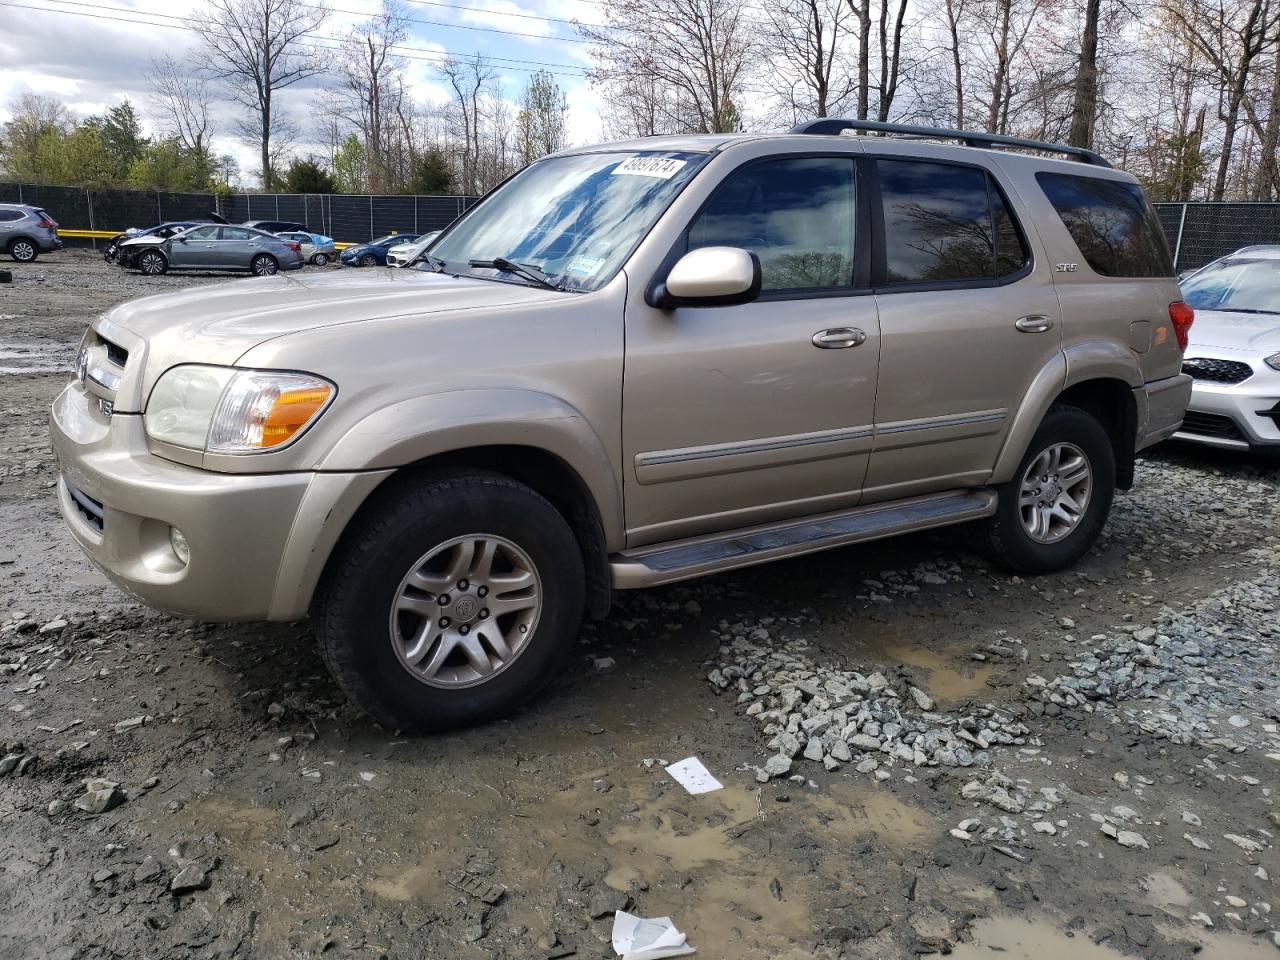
[1234,352]
[316,249]
[404,254]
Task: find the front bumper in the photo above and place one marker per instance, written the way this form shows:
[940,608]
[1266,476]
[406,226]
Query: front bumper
[1235,416]
[258,542]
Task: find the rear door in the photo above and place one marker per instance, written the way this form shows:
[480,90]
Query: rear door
[968,317]
[237,247]
[735,415]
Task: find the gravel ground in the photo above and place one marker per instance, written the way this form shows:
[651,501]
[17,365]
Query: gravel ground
[921,753]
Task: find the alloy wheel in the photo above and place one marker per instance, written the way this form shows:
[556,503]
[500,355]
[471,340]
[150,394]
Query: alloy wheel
[263,266]
[1054,493]
[152,264]
[23,251]
[465,611]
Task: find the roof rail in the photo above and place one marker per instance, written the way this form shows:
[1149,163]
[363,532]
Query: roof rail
[835,125]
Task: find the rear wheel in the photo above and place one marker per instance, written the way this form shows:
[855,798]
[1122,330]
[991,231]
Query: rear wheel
[263,265]
[152,263]
[1052,511]
[454,603]
[23,250]
[320,259]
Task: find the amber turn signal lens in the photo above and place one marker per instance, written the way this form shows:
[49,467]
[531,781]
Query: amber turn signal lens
[291,411]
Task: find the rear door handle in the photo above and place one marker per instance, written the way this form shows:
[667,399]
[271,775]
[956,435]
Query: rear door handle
[837,338]
[1036,323]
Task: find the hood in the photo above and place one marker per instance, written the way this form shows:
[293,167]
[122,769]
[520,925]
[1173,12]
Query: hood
[1255,333]
[219,323]
[150,239]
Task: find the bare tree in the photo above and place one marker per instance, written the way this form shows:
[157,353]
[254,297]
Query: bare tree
[700,49]
[807,40]
[540,125]
[1084,108]
[470,79]
[890,57]
[257,48]
[185,102]
[372,83]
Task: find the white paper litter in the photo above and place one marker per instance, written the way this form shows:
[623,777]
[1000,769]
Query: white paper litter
[641,938]
[693,776]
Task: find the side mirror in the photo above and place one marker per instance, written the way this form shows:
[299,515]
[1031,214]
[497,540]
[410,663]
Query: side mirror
[708,277]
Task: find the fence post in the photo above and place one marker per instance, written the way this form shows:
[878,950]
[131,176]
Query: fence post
[1177,246]
[277,196]
[88,202]
[20,200]
[370,216]
[415,214]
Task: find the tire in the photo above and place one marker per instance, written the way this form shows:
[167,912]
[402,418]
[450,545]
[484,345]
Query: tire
[368,260]
[152,262]
[369,645]
[1030,547]
[263,265]
[320,259]
[23,250]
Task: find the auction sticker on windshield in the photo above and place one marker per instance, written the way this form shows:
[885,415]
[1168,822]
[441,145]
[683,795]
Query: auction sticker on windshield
[664,168]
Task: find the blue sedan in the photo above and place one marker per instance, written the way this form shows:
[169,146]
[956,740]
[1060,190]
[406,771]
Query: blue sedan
[374,253]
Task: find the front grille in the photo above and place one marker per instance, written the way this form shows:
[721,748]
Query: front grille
[115,353]
[1217,371]
[86,506]
[1211,425]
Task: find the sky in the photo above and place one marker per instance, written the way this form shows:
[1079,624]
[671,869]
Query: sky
[93,54]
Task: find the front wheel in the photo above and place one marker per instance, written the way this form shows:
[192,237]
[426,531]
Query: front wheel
[453,603]
[152,263]
[23,250]
[1054,508]
[368,260]
[263,265]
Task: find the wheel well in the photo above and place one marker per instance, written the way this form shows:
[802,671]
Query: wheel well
[1111,403]
[544,473]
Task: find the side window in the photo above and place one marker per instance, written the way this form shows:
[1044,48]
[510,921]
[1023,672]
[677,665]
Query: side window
[946,222]
[236,233]
[10,215]
[1111,222]
[796,215]
[203,233]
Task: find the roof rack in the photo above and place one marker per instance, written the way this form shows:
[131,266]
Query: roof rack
[835,125]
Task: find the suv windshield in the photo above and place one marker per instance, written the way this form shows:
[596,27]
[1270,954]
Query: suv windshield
[1250,286]
[574,219]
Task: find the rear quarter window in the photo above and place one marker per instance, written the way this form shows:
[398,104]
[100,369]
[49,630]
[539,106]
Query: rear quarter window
[1111,222]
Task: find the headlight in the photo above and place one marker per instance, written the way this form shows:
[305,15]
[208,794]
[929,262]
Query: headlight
[224,410]
[1273,361]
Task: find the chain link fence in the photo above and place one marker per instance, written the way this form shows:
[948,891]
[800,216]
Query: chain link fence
[1197,232]
[345,218]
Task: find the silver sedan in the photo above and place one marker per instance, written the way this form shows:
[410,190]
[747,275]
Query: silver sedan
[212,247]
[1234,351]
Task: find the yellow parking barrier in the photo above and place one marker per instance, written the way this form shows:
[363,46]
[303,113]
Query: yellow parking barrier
[108,234]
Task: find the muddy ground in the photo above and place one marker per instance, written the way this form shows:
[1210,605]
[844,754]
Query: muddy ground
[263,817]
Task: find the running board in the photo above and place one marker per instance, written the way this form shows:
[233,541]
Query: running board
[698,556]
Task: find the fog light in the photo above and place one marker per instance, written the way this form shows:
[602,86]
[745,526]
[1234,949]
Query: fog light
[178,540]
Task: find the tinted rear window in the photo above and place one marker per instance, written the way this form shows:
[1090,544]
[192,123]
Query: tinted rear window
[1111,222]
[945,222]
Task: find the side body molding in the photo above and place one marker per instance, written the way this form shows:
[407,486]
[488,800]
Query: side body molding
[411,430]
[1078,362]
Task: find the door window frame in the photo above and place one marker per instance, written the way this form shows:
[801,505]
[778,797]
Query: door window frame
[860,286]
[879,260]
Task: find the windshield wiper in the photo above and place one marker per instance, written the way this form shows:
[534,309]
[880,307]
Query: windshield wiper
[528,271]
[435,264]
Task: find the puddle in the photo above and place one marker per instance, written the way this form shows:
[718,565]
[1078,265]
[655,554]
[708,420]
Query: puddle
[23,358]
[947,680]
[665,839]
[1010,938]
[1163,890]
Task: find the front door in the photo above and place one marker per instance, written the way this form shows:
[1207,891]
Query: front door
[196,248]
[968,318]
[737,415]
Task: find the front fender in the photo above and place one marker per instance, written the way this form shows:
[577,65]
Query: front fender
[413,430]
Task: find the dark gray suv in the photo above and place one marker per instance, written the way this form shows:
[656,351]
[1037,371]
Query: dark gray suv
[26,232]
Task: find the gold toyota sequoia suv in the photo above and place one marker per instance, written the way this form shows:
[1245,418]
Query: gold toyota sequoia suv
[631,364]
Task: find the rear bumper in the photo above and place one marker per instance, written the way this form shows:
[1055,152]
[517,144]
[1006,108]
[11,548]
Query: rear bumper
[1161,405]
[48,244]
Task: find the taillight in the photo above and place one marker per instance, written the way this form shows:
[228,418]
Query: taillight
[295,247]
[47,223]
[1182,316]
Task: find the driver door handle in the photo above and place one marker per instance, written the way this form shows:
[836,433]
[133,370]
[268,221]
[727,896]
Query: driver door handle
[1036,323]
[838,338]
